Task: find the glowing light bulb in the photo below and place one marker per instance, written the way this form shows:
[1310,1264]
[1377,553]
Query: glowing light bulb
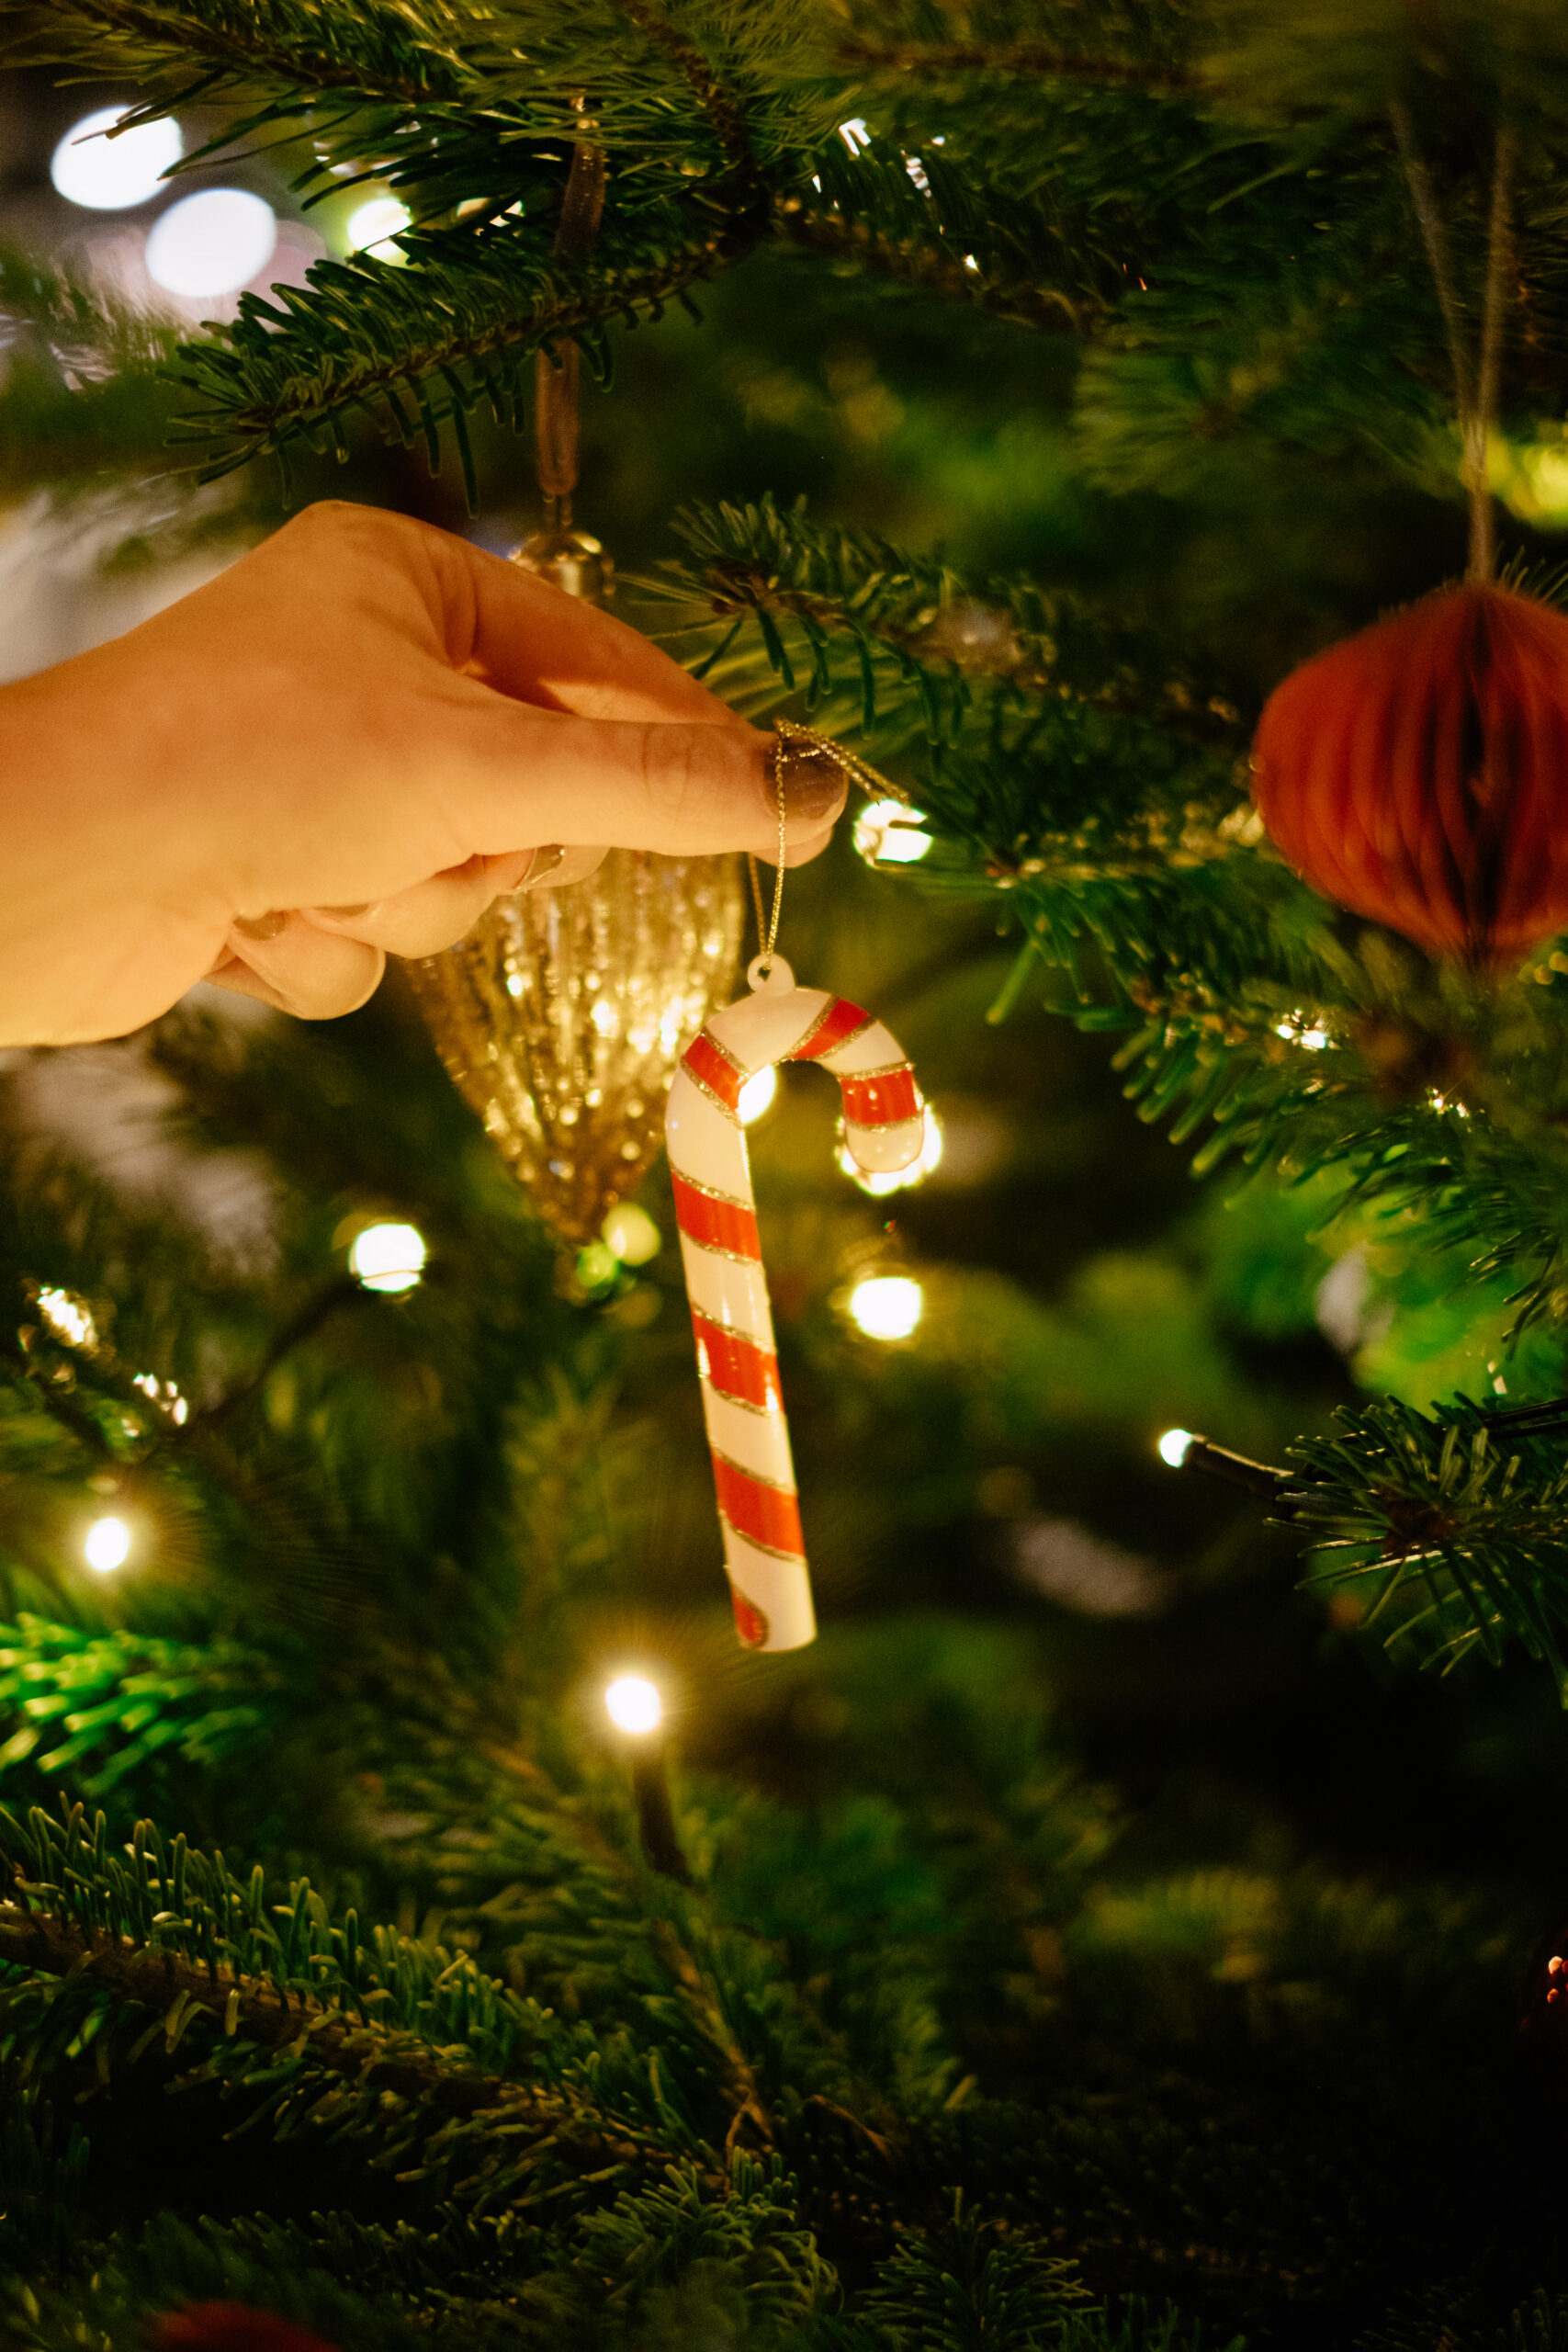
[919,1167]
[106,1545]
[632,1235]
[373,225]
[164,1394]
[388,1256]
[888,834]
[886,1307]
[1173,1447]
[108,175]
[1296,1031]
[69,1318]
[633,1705]
[756,1096]
[213,243]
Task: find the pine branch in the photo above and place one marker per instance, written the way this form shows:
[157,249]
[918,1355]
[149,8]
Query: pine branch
[828,236]
[177,1935]
[974,2283]
[1319,343]
[903,622]
[1450,1529]
[90,335]
[720,105]
[116,1702]
[368,50]
[860,53]
[363,333]
[923,219]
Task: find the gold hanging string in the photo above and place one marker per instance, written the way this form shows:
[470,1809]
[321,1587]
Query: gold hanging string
[1476,386]
[793,741]
[757,898]
[768,933]
[799,742]
[1499,257]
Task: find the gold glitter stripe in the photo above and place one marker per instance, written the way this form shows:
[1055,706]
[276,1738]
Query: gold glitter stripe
[741,1471]
[792,1559]
[882,1069]
[712,1249]
[703,1087]
[711,1193]
[744,1404]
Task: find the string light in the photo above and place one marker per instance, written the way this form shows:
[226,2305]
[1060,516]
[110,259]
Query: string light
[634,1706]
[373,224]
[211,244]
[69,1318]
[110,175]
[388,1256]
[1297,1031]
[888,833]
[164,1394]
[886,1307]
[898,1181]
[757,1095]
[1173,1447]
[106,1545]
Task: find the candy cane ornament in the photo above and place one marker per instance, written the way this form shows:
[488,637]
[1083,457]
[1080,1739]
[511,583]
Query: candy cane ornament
[715,1207]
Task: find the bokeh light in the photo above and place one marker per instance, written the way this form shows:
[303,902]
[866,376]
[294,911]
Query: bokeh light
[210,243]
[106,1545]
[632,1234]
[373,224]
[1173,1447]
[69,1318]
[108,175]
[634,1704]
[757,1095]
[886,1307]
[897,1180]
[388,1256]
[597,1267]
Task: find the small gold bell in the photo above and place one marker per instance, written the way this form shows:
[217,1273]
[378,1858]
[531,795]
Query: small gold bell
[570,561]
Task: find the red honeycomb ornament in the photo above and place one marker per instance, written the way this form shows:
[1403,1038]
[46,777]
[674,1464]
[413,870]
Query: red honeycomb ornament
[232,2327]
[1419,773]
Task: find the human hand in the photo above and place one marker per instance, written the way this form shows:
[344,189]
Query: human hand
[346,745]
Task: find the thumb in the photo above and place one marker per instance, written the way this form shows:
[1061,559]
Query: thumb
[689,791]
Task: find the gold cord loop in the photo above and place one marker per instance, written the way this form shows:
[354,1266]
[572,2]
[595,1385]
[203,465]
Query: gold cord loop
[792,741]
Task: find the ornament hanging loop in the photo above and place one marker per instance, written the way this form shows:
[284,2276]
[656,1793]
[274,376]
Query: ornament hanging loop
[767,932]
[769,975]
[793,743]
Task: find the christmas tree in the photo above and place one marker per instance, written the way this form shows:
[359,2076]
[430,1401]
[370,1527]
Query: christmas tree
[1107,1936]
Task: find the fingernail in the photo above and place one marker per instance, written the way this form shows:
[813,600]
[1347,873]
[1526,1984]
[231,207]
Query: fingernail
[505,873]
[813,786]
[259,926]
[542,864]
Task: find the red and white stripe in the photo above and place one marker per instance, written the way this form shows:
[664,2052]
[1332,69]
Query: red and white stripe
[885,1128]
